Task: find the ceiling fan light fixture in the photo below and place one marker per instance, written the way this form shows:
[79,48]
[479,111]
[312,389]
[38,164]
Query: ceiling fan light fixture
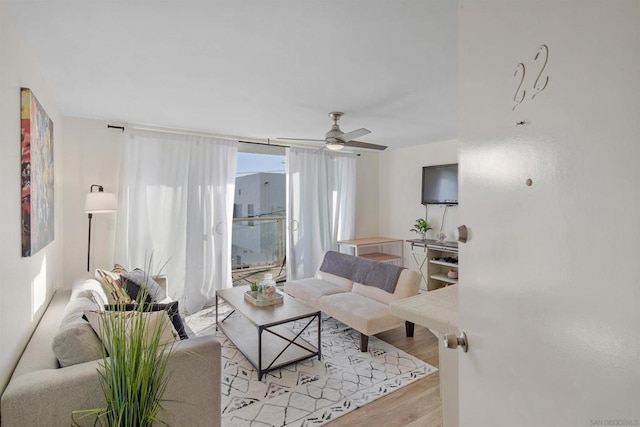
[336,140]
[335,146]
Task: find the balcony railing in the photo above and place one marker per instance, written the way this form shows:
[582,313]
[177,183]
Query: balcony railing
[257,247]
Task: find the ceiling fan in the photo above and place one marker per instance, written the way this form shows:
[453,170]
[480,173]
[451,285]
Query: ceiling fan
[335,139]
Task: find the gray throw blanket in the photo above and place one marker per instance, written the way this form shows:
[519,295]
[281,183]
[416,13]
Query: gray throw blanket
[371,273]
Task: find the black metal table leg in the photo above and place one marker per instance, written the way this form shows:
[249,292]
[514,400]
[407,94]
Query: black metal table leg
[319,335]
[260,353]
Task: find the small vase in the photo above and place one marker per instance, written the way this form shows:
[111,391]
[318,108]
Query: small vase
[423,236]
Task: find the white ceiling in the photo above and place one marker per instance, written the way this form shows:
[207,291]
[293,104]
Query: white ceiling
[255,68]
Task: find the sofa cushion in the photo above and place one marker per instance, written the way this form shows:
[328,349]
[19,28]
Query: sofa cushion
[76,342]
[94,286]
[408,285]
[138,281]
[340,264]
[361,313]
[373,273]
[381,275]
[342,282]
[171,308]
[310,290]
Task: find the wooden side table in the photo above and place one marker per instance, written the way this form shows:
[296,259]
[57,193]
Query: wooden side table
[383,249]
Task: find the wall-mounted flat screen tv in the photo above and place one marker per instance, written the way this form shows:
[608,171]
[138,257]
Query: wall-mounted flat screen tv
[440,184]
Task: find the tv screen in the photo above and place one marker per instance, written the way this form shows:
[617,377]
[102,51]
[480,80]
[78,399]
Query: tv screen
[440,184]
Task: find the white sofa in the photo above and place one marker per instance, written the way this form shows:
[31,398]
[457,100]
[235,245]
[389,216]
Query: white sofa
[41,393]
[349,289]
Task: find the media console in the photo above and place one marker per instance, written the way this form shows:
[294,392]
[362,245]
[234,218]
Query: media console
[441,259]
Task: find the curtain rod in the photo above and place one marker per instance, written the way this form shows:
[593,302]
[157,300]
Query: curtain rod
[178,131]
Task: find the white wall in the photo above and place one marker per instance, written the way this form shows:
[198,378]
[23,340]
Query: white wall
[400,176]
[26,284]
[91,156]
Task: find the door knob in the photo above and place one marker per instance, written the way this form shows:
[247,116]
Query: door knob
[463,234]
[452,341]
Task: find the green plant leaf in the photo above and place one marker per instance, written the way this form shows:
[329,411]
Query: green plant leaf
[133,375]
[421,226]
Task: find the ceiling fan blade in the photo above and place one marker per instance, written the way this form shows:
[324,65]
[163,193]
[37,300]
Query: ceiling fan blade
[354,134]
[358,144]
[300,139]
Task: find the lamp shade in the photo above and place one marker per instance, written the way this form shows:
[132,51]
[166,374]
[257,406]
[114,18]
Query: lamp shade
[100,202]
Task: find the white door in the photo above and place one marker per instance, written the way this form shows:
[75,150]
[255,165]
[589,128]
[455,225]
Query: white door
[550,296]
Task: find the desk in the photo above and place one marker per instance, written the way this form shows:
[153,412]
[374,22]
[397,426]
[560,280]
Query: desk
[383,249]
[419,254]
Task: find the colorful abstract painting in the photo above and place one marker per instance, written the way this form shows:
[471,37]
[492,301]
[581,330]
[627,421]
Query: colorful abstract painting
[36,143]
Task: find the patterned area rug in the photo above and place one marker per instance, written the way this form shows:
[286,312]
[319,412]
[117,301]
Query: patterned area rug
[311,392]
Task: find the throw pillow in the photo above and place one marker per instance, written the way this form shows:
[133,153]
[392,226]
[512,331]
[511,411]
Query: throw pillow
[117,268]
[171,309]
[157,320]
[76,342]
[111,282]
[138,281]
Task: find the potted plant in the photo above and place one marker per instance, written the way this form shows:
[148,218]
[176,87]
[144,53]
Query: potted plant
[133,373]
[421,227]
[254,288]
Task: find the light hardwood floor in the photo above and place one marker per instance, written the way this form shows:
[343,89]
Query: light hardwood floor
[416,405]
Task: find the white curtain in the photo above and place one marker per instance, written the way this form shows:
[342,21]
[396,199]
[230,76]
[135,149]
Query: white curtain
[320,206]
[176,208]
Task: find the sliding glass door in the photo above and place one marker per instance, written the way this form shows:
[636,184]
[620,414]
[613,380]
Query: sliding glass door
[259,213]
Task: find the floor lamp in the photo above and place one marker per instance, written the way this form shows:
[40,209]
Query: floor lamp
[98,202]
